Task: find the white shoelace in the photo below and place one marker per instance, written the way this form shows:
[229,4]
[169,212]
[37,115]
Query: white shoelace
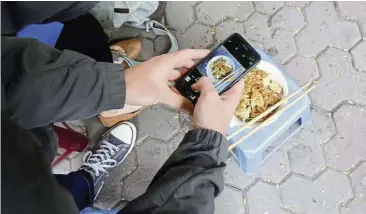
[100,160]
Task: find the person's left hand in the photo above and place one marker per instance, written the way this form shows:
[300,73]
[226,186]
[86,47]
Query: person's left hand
[148,82]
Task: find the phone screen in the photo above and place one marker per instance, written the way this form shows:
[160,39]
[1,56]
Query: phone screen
[221,67]
[224,65]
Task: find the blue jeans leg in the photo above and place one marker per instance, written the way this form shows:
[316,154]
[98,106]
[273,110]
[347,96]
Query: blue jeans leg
[81,186]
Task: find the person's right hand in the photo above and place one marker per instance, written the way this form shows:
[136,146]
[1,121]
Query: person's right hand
[213,111]
[148,83]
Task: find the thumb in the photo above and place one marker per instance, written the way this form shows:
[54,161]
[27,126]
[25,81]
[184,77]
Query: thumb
[204,86]
[231,96]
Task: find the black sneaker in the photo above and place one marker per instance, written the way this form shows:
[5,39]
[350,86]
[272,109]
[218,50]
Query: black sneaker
[116,144]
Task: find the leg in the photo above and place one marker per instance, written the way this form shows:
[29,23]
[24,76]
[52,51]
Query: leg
[81,186]
[28,185]
[85,35]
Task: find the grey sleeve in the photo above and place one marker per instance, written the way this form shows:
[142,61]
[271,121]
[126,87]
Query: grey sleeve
[44,85]
[189,180]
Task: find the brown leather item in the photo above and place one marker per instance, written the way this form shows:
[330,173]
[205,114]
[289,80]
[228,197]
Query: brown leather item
[113,120]
[131,47]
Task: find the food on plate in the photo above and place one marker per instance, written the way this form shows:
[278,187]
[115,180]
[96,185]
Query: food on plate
[221,68]
[260,92]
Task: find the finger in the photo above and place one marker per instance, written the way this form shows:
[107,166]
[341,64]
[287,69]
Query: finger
[235,89]
[231,97]
[184,70]
[174,74]
[204,86]
[184,57]
[174,90]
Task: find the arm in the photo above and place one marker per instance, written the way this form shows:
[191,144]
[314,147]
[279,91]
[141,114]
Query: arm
[43,85]
[189,180]
[193,175]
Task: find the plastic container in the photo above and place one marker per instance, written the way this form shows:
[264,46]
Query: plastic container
[256,149]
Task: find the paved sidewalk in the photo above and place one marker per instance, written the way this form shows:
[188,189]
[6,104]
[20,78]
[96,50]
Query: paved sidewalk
[320,171]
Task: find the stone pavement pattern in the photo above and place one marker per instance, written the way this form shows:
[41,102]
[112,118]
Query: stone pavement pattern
[323,168]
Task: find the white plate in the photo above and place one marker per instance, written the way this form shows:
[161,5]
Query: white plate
[209,70]
[275,75]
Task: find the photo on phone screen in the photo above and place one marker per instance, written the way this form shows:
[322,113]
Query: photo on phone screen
[226,64]
[221,67]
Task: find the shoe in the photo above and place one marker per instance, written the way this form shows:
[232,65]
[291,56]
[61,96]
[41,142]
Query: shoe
[112,117]
[130,48]
[115,145]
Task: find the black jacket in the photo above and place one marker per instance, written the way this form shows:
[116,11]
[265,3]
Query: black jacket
[186,184]
[41,85]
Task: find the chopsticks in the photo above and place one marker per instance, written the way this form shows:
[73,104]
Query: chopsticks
[310,85]
[228,78]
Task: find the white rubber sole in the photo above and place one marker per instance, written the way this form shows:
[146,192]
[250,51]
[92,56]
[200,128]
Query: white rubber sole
[133,140]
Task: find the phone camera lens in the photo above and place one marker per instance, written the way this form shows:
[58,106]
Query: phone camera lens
[243,55]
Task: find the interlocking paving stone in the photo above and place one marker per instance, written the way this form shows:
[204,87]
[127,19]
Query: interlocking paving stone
[323,195]
[302,69]
[339,80]
[152,153]
[304,149]
[281,46]
[158,121]
[306,160]
[277,42]
[174,142]
[359,56]
[230,201]
[358,204]
[348,146]
[185,121]
[196,36]
[235,176]
[211,13]
[276,168]
[226,28]
[264,198]
[268,7]
[136,183]
[256,28]
[289,19]
[111,193]
[179,15]
[355,11]
[327,30]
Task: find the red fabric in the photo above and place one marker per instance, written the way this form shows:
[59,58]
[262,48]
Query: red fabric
[71,141]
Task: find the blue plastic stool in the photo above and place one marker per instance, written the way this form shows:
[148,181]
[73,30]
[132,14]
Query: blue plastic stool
[256,149]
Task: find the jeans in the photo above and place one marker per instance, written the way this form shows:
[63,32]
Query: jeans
[81,186]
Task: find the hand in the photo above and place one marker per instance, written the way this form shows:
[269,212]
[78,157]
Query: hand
[213,111]
[148,82]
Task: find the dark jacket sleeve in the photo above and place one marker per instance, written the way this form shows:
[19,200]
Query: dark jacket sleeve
[189,180]
[44,85]
[16,15]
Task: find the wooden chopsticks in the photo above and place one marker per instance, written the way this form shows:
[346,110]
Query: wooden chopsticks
[309,85]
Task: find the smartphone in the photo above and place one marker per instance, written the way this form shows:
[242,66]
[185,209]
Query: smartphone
[225,65]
